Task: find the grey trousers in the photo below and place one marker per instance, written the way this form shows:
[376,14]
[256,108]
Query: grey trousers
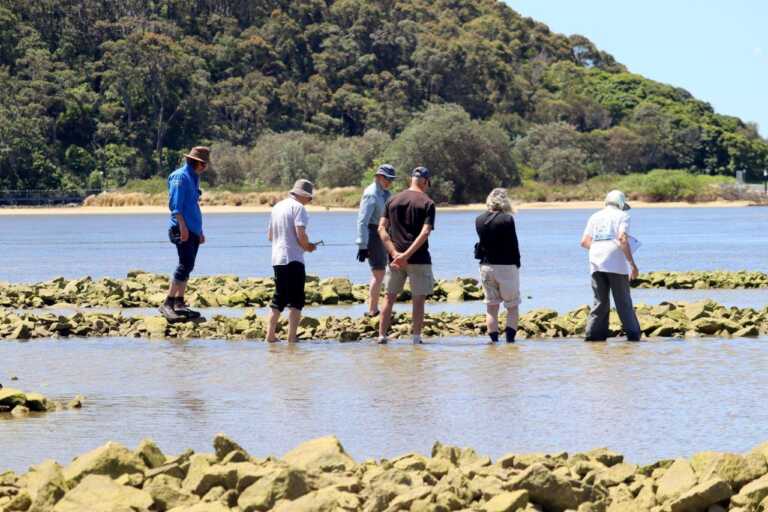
[618,286]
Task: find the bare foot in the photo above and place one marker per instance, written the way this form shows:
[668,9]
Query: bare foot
[273,340]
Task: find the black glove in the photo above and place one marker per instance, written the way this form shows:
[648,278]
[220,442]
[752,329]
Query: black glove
[362,255]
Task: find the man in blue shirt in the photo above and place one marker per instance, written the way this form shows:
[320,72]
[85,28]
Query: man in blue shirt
[368,241]
[185,229]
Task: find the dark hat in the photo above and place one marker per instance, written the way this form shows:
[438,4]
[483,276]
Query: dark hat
[387,171]
[200,153]
[421,172]
[303,188]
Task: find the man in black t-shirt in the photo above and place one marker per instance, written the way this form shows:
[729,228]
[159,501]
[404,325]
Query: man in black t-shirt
[407,221]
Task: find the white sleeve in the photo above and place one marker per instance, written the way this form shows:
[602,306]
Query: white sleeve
[302,219]
[589,228]
[623,225]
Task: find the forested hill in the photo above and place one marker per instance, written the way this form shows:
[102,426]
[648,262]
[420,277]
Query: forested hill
[96,89]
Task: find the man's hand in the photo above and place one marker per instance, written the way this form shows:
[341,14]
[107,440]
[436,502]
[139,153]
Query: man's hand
[202,239]
[399,261]
[183,233]
[311,247]
[362,255]
[633,273]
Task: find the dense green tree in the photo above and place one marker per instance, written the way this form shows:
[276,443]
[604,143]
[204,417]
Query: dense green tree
[468,158]
[123,88]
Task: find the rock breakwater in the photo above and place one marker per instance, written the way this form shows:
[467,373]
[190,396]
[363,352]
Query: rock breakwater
[17,403]
[319,476]
[702,280]
[143,289]
[666,320]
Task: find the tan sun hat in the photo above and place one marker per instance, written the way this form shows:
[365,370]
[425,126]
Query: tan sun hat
[303,188]
[200,153]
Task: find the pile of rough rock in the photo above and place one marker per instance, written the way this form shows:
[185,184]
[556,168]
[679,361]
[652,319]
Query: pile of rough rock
[693,320]
[143,289]
[702,280]
[318,476]
[19,404]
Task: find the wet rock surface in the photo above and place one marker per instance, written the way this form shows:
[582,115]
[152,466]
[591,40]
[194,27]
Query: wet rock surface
[18,404]
[666,320]
[700,280]
[320,476]
[144,289]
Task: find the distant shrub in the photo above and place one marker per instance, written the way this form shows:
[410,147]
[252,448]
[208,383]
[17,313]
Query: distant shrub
[347,159]
[554,151]
[672,185]
[282,158]
[468,158]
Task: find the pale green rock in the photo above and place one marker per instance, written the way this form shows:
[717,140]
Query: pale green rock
[11,397]
[280,484]
[321,454]
[678,479]
[701,496]
[45,485]
[507,502]
[112,459]
[98,493]
[736,470]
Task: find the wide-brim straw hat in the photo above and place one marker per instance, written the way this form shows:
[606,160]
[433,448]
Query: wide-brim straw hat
[200,153]
[303,188]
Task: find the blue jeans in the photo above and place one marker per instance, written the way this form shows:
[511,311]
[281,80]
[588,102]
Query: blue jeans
[187,252]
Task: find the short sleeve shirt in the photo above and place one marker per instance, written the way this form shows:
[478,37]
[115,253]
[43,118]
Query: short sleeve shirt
[286,216]
[407,213]
[605,227]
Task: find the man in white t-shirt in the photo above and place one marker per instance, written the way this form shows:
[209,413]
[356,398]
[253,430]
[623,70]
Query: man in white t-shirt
[612,267]
[288,233]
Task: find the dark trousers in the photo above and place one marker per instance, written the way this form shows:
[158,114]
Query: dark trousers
[187,252]
[618,286]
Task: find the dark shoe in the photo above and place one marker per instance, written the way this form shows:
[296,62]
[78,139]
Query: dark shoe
[183,310]
[168,312]
[510,334]
[372,315]
[594,339]
[494,337]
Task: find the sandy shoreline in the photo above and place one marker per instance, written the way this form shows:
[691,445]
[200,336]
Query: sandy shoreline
[133,210]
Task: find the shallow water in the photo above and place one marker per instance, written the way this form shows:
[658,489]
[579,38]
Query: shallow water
[649,400]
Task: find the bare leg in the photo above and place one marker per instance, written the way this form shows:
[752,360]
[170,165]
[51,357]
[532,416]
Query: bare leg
[274,316]
[418,313]
[177,288]
[375,291]
[386,314]
[294,316]
[513,315]
[492,318]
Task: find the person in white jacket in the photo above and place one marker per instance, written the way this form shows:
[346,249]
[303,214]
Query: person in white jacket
[612,267]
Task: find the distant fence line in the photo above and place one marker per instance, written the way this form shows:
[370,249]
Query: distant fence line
[44,197]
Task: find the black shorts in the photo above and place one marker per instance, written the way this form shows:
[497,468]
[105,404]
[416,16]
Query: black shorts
[289,286]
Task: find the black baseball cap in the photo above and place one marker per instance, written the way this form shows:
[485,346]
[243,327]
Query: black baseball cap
[421,172]
[387,171]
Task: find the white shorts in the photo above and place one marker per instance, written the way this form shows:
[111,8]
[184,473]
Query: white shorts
[501,283]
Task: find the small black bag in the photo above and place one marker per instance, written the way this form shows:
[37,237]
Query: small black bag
[479,251]
[174,235]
